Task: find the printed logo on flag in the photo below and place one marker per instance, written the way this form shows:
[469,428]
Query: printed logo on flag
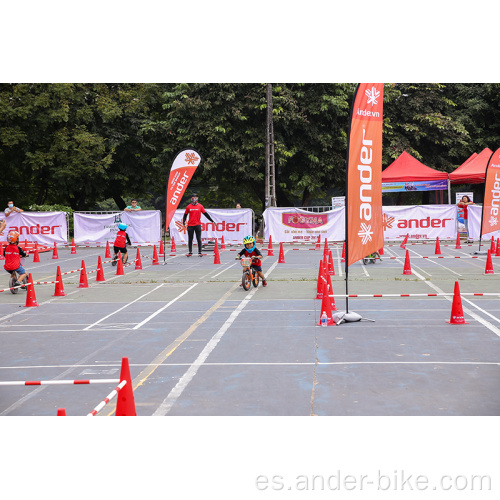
[180,227]
[300,221]
[387,221]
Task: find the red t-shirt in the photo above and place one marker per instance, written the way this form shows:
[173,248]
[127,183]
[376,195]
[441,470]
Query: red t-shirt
[121,239]
[194,212]
[463,206]
[13,254]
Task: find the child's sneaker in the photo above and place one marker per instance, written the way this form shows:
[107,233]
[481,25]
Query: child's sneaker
[264,283]
[189,255]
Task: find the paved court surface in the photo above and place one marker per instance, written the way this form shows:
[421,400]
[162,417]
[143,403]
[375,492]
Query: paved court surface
[198,344]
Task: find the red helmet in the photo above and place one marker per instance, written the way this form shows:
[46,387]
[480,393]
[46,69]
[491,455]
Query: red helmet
[13,237]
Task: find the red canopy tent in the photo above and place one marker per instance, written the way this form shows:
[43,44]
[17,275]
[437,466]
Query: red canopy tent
[473,170]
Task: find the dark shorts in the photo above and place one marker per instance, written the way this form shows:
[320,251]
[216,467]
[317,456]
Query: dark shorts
[122,250]
[257,268]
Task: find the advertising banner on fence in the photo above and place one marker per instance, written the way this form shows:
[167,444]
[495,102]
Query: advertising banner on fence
[474,213]
[394,187]
[144,227]
[420,222]
[233,224]
[296,225]
[46,228]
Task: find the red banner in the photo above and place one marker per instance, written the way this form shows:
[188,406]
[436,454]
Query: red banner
[364,174]
[491,205]
[183,169]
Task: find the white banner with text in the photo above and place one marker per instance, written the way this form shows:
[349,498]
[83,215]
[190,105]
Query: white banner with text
[474,214]
[46,228]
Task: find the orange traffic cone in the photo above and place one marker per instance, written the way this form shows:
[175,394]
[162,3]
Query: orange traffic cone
[31,296]
[381,251]
[489,264]
[321,279]
[343,253]
[222,244]
[119,265]
[73,247]
[216,253]
[125,404]
[161,253]
[331,269]
[107,255]
[36,257]
[281,258]
[326,248]
[326,306]
[405,241]
[498,248]
[55,255]
[330,292]
[155,257]
[100,270]
[457,312]
[173,249]
[84,283]
[270,251]
[61,412]
[458,246]
[407,268]
[138,261]
[59,291]
[318,243]
[492,245]
[1,252]
[438,247]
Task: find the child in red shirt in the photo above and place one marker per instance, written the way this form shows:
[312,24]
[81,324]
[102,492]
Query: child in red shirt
[13,253]
[251,250]
[120,244]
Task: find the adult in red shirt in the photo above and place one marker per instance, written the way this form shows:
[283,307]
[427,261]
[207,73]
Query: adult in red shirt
[464,203]
[194,211]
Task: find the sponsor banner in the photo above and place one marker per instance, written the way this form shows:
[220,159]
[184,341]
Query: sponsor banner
[233,224]
[394,187]
[474,213]
[364,173]
[420,222]
[46,228]
[183,169]
[296,225]
[491,206]
[143,226]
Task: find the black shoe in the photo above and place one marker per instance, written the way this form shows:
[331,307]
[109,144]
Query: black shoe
[200,255]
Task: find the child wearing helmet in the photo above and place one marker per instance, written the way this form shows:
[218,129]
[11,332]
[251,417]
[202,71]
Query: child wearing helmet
[120,244]
[13,253]
[252,251]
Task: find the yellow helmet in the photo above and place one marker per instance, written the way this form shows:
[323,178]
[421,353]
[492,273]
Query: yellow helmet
[248,239]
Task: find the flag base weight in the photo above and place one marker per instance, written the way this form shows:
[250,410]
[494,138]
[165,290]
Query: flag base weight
[340,317]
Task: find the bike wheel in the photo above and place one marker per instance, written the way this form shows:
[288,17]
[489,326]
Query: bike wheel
[12,282]
[366,261]
[255,281]
[245,280]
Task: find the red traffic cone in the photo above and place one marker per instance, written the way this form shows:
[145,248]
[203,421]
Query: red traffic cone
[61,412]
[489,264]
[84,283]
[330,292]
[138,261]
[407,268]
[270,251]
[438,247]
[31,296]
[59,291]
[326,306]
[492,245]
[100,270]
[326,245]
[326,249]
[161,253]
[458,246]
[222,244]
[36,257]
[405,241]
[318,243]
[1,252]
[498,248]
[107,255]
[331,269]
[125,404]
[281,258]
[119,265]
[173,249]
[155,257]
[343,253]
[55,255]
[321,278]
[216,253]
[381,251]
[73,247]
[457,312]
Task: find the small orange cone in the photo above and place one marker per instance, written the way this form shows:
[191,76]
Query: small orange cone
[222,244]
[125,404]
[161,253]
[173,249]
[405,241]
[492,245]
[326,306]
[438,247]
[36,257]
[84,283]
[343,253]
[73,247]
[331,269]
[100,270]
[119,265]
[321,278]
[498,248]
[457,312]
[281,258]
[216,253]
[61,412]
[107,255]
[1,252]
[31,296]
[155,257]
[407,268]
[55,255]
[318,243]
[59,291]
[458,246]
[138,261]
[270,251]
[489,264]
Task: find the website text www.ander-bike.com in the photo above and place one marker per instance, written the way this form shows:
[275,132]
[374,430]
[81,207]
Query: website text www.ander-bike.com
[397,480]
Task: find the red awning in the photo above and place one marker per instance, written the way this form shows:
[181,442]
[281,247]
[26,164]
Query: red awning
[472,171]
[406,168]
